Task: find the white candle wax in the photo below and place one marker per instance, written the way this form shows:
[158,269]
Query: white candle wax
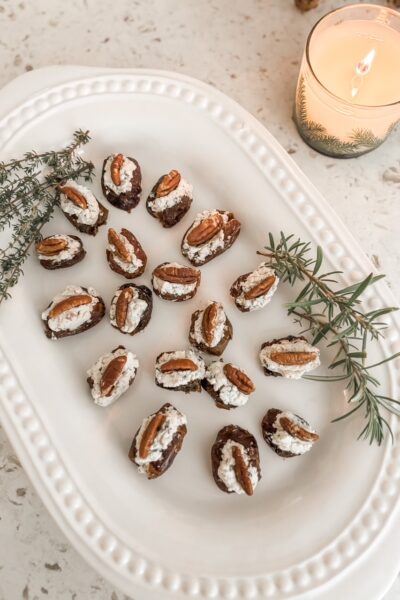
[337,51]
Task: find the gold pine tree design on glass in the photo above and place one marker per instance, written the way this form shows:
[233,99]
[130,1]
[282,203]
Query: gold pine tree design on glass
[316,135]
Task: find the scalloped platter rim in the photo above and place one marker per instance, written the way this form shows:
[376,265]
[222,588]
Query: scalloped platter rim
[138,533]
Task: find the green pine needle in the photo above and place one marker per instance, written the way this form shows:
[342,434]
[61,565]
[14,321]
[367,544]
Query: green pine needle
[317,135]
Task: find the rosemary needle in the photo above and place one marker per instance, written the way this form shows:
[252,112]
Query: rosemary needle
[336,316]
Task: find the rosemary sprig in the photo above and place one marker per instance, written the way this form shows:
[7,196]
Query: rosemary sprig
[28,198]
[336,316]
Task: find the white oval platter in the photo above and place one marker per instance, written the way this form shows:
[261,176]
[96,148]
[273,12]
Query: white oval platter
[311,519]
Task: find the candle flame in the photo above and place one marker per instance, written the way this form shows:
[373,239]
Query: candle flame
[364,66]
[362,69]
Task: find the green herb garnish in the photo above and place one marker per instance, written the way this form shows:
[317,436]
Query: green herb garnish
[28,197]
[336,316]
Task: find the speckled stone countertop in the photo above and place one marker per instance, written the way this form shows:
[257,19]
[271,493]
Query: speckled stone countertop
[250,50]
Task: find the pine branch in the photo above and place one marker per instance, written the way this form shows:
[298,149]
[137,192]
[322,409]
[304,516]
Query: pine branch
[364,138]
[301,101]
[317,135]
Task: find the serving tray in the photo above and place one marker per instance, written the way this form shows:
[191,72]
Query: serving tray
[311,519]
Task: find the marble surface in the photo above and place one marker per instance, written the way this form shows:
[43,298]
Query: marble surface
[250,50]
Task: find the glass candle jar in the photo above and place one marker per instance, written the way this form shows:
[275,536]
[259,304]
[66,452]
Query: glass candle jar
[348,92]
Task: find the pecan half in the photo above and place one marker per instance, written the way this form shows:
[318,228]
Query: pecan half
[74,196]
[150,433]
[178,364]
[68,303]
[168,184]
[232,228]
[205,230]
[116,240]
[183,275]
[239,379]
[137,248]
[241,471]
[51,246]
[121,308]
[297,431]
[261,288]
[292,359]
[115,169]
[209,321]
[111,374]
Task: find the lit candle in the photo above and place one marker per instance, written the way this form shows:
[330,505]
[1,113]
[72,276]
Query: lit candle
[348,94]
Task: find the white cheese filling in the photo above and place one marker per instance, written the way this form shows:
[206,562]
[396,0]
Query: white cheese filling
[126,174]
[68,253]
[129,267]
[72,319]
[219,330]
[177,378]
[285,441]
[226,469]
[262,272]
[84,216]
[160,204]
[200,253]
[175,289]
[136,309]
[162,440]
[289,371]
[122,383]
[228,393]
